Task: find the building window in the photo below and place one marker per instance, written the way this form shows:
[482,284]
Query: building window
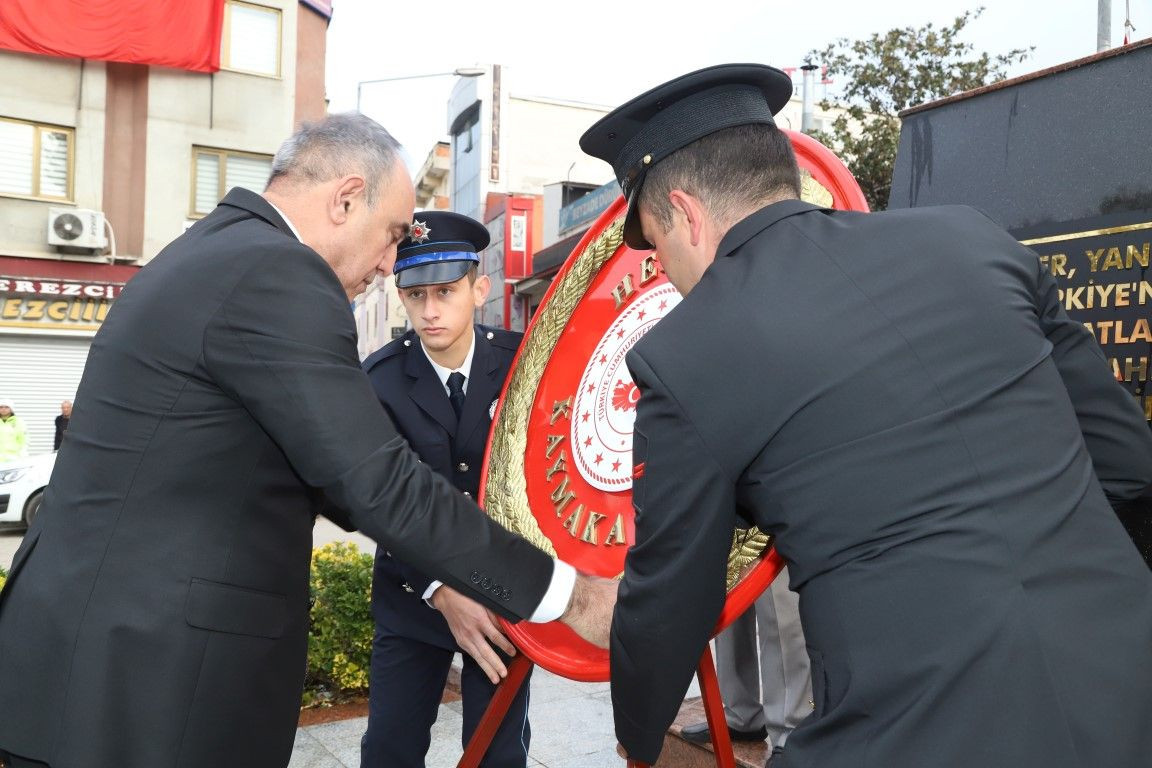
[466,164]
[35,160]
[215,171]
[251,41]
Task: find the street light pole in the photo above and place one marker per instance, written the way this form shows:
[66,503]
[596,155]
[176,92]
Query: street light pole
[1103,25]
[458,72]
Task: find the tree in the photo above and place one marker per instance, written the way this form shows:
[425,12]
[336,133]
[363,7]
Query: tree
[889,72]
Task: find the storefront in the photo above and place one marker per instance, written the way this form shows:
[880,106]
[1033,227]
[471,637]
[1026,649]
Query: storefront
[49,312]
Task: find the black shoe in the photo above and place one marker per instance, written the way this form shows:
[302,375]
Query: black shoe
[698,733]
[776,752]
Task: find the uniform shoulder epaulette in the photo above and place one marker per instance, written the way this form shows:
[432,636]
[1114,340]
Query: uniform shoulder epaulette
[498,337]
[389,350]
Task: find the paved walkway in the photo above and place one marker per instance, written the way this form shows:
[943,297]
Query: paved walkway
[571,721]
[571,728]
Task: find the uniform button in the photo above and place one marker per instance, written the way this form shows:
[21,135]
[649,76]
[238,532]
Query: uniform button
[407,342]
[506,594]
[475,577]
[467,494]
[485,582]
[490,335]
[407,587]
[462,467]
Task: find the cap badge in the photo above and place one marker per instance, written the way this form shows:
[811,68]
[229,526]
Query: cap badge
[418,231]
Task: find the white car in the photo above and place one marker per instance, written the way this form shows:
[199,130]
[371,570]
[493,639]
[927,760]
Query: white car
[22,484]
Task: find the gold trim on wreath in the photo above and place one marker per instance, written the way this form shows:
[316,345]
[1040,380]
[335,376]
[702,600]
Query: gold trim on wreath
[506,490]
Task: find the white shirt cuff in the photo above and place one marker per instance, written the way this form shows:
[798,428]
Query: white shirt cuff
[556,599]
[435,585]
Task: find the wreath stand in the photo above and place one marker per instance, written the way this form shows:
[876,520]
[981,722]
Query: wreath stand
[738,601]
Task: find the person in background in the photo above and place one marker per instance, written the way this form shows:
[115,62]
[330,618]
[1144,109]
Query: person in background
[13,436]
[62,423]
[439,383]
[763,671]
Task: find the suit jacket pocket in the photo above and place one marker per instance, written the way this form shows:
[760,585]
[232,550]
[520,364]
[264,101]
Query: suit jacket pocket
[235,610]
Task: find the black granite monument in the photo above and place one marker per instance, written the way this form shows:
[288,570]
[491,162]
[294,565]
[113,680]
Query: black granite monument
[1062,158]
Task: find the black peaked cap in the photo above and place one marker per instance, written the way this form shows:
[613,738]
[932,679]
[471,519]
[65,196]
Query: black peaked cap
[635,136]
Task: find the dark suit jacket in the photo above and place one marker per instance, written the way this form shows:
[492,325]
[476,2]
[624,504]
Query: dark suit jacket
[61,428]
[157,611]
[411,392]
[900,399]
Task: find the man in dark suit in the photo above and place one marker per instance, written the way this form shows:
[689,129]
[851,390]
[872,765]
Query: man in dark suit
[62,423]
[899,398]
[156,614]
[439,383]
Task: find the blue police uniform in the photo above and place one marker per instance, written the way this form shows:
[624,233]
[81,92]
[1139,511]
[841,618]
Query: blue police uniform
[413,646]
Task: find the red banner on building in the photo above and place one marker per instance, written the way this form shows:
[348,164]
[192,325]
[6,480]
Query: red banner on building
[184,34]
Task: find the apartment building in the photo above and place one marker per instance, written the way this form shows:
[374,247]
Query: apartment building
[103,162]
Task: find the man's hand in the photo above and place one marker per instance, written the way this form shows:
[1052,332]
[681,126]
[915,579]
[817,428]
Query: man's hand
[476,630]
[589,612]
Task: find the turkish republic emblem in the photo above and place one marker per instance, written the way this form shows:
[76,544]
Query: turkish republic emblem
[559,465]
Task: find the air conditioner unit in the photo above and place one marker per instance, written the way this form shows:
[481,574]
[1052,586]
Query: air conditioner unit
[76,228]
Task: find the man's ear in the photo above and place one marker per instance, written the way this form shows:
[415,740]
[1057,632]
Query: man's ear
[690,207]
[347,192]
[480,289]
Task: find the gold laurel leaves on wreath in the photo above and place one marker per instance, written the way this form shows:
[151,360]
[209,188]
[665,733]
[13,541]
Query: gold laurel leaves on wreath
[506,489]
[748,545]
[812,191]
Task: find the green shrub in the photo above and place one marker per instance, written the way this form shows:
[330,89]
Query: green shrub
[340,640]
[3,577]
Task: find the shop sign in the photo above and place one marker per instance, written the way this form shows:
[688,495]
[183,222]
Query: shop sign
[34,304]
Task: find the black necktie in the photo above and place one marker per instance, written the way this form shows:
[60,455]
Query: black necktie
[456,392]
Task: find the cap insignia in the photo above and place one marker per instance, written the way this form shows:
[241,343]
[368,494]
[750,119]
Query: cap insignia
[418,231]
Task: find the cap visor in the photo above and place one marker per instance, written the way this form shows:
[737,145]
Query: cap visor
[633,232]
[434,273]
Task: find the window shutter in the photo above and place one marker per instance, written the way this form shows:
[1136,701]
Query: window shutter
[16,142]
[53,164]
[207,181]
[248,172]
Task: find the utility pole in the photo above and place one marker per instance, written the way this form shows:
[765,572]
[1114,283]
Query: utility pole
[1103,25]
[807,117]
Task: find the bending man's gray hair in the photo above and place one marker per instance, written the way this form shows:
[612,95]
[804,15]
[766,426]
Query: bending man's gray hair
[335,146]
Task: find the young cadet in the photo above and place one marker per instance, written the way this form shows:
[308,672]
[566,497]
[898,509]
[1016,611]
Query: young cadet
[439,383]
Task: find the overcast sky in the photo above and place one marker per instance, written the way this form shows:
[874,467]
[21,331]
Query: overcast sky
[606,51]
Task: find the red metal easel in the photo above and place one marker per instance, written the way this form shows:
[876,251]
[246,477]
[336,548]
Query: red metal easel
[739,599]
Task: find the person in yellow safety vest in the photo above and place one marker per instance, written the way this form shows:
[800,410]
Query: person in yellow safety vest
[13,437]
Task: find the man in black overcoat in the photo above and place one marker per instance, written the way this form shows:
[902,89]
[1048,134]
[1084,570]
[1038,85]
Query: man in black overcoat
[901,400]
[156,613]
